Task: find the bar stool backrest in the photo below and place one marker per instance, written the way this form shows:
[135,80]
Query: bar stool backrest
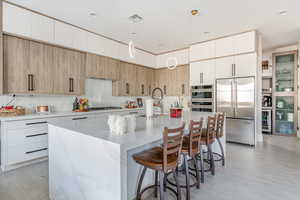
[172,144]
[211,125]
[220,125]
[195,133]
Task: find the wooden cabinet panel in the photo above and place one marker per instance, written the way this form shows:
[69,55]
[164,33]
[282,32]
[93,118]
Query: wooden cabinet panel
[41,67]
[126,85]
[16,62]
[182,78]
[102,67]
[69,72]
[111,69]
[142,81]
[61,82]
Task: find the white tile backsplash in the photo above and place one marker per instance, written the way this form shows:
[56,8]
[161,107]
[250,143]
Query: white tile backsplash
[99,93]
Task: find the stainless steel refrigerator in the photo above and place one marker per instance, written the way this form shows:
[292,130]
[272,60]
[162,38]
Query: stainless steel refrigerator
[236,97]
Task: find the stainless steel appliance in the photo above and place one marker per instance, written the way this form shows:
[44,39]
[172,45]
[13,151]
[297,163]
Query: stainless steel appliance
[236,97]
[202,98]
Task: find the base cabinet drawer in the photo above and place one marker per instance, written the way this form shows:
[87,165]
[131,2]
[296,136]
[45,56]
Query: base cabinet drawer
[26,136]
[17,154]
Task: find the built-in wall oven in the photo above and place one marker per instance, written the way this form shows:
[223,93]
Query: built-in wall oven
[202,98]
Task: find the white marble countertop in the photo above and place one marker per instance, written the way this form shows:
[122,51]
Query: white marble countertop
[62,114]
[147,131]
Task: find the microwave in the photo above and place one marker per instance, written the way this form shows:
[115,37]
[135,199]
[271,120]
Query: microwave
[202,98]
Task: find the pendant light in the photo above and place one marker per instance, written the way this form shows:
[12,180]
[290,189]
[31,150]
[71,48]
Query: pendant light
[131,46]
[172,63]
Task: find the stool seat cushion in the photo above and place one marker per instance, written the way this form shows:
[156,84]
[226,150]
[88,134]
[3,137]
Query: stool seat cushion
[153,159]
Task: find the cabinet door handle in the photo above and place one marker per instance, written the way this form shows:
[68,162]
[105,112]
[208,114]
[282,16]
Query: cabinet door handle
[182,89]
[28,82]
[234,67]
[149,92]
[28,136]
[34,123]
[143,89]
[127,88]
[71,84]
[79,118]
[32,83]
[165,89]
[29,152]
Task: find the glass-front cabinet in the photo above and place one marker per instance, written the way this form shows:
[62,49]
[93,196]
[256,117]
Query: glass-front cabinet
[285,98]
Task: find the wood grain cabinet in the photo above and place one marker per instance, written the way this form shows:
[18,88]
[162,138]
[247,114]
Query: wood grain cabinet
[69,72]
[37,68]
[126,85]
[173,82]
[40,69]
[142,81]
[16,62]
[102,67]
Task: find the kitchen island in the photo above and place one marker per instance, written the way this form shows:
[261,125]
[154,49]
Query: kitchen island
[86,161]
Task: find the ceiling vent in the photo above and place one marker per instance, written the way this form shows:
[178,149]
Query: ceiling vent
[135,18]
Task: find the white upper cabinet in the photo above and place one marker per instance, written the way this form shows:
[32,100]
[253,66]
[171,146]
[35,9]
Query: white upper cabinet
[246,65]
[42,28]
[79,39]
[202,51]
[224,67]
[224,47]
[95,44]
[63,34]
[182,57]
[244,43]
[70,36]
[16,20]
[202,73]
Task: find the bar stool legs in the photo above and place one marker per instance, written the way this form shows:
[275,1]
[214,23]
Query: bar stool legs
[211,159]
[187,176]
[201,166]
[138,193]
[222,151]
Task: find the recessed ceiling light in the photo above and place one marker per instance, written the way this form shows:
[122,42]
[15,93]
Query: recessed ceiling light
[133,33]
[93,14]
[283,12]
[135,18]
[194,12]
[206,32]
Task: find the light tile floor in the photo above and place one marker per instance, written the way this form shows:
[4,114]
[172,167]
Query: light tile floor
[271,171]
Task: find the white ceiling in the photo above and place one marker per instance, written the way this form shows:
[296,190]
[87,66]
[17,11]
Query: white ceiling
[168,24]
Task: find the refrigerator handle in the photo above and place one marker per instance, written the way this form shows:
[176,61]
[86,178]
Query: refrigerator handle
[232,104]
[232,70]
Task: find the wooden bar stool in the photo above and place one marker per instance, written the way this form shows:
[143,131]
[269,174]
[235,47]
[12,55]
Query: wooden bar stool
[162,160]
[190,148]
[208,138]
[219,134]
